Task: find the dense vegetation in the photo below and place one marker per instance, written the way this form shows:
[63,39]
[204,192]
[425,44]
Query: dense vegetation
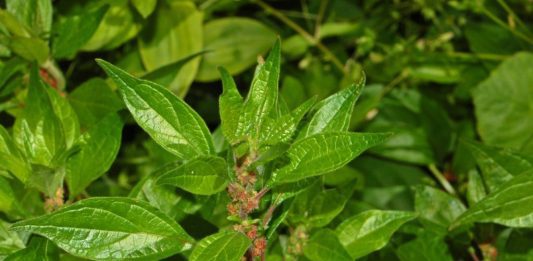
[266,130]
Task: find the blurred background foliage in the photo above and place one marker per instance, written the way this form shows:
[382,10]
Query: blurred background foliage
[440,74]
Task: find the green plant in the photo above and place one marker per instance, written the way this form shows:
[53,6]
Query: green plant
[132,159]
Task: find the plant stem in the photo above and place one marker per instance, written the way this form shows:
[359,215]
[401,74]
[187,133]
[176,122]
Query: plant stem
[319,18]
[442,180]
[308,37]
[501,23]
[478,56]
[510,11]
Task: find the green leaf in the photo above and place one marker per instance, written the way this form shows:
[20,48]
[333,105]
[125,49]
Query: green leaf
[66,115]
[317,207]
[114,228]
[7,197]
[263,94]
[93,100]
[475,188]
[164,75]
[426,246]
[144,7]
[333,114]
[166,118]
[223,246]
[173,32]
[283,128]
[230,104]
[13,25]
[38,249]
[35,14]
[39,129]
[510,205]
[370,231]
[323,153]
[72,32]
[202,176]
[11,157]
[98,148]
[10,241]
[110,33]
[498,165]
[324,245]
[503,103]
[235,43]
[31,49]
[437,209]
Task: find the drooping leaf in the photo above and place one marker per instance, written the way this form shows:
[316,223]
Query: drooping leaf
[437,209]
[263,94]
[168,120]
[333,114]
[110,228]
[503,105]
[225,245]
[322,153]
[324,245]
[370,231]
[203,176]
[235,44]
[498,165]
[173,33]
[98,148]
[510,205]
[38,249]
[72,32]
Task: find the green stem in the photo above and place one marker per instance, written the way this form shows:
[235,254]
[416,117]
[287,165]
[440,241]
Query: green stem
[478,56]
[501,23]
[308,37]
[442,180]
[510,11]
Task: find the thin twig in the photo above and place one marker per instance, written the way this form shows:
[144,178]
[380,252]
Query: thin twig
[501,23]
[308,37]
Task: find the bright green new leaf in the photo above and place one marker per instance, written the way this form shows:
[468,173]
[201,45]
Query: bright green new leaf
[223,246]
[13,25]
[282,129]
[38,249]
[498,165]
[263,94]
[324,245]
[235,44]
[203,176]
[38,130]
[111,228]
[98,148]
[230,107]
[323,153]
[66,115]
[72,32]
[168,120]
[93,100]
[333,114]
[11,157]
[510,205]
[370,231]
[475,188]
[174,32]
[437,209]
[10,241]
[503,104]
[7,197]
